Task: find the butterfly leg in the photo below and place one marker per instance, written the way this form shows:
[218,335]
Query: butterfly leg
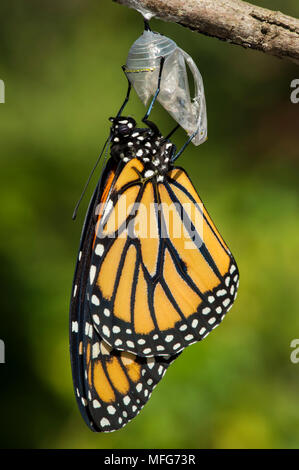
[175,156]
[145,118]
[127,95]
[172,132]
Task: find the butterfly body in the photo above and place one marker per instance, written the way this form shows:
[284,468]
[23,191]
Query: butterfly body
[153,276]
[147,145]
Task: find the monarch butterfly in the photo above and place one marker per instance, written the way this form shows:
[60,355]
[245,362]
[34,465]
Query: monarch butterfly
[139,299]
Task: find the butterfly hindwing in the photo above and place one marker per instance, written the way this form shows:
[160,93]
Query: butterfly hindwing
[118,383]
[78,297]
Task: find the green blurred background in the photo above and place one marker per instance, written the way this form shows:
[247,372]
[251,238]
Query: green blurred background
[60,61]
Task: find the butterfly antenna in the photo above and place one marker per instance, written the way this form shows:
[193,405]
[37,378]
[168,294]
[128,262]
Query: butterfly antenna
[90,176]
[103,149]
[105,158]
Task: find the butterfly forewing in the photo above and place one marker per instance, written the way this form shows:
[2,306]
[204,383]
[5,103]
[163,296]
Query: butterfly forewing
[155,289]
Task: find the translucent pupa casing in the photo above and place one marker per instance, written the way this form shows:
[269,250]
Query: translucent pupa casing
[142,69]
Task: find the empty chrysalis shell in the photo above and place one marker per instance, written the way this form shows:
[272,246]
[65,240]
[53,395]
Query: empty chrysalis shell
[142,69]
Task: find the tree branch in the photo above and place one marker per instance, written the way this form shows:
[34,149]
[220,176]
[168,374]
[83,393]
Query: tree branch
[233,21]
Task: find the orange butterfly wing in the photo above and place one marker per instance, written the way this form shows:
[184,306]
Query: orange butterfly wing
[154,291]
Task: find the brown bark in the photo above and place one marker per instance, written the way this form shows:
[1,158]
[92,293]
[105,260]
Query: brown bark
[234,21]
